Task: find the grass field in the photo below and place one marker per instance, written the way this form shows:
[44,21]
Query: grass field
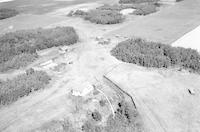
[167,25]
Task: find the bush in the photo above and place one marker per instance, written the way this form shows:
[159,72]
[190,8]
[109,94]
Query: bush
[17,62]
[29,41]
[145,9]
[80,13]
[102,103]
[7,13]
[151,54]
[104,17]
[13,44]
[22,85]
[100,16]
[137,1]
[96,116]
[30,71]
[126,120]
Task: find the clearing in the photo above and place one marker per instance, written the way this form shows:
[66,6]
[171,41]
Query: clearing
[161,96]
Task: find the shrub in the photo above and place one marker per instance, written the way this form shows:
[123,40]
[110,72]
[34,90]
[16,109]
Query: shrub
[22,85]
[104,17]
[151,54]
[100,16]
[126,120]
[145,9]
[7,13]
[13,44]
[96,116]
[38,39]
[17,62]
[28,41]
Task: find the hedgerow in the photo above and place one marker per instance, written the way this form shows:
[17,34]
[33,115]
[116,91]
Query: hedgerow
[7,13]
[151,54]
[96,116]
[110,14]
[28,41]
[100,16]
[22,85]
[104,17]
[18,61]
[13,44]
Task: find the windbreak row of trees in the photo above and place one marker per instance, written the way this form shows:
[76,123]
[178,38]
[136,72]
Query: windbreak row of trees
[19,48]
[151,54]
[7,13]
[104,17]
[22,85]
[100,16]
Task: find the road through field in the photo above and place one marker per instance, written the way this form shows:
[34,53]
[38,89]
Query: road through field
[167,25]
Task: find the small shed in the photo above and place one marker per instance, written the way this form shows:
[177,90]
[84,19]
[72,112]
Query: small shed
[82,90]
